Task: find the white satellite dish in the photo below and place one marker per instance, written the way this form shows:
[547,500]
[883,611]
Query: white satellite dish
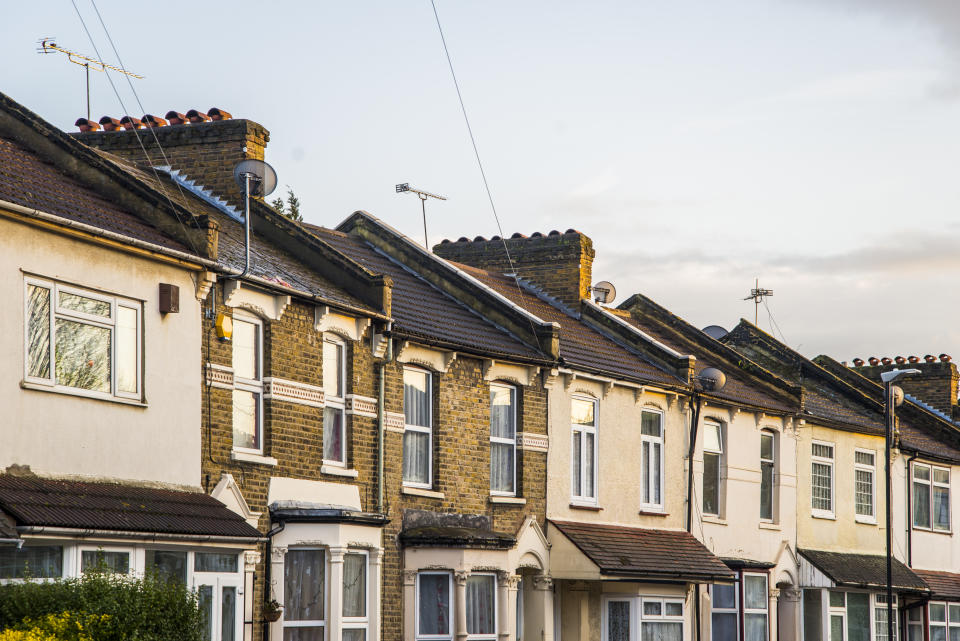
[715,331]
[263,178]
[604,292]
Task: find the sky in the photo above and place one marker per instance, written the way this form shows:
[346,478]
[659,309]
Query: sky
[809,143]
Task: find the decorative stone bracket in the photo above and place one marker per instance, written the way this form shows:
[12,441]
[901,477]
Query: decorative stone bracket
[435,359]
[349,327]
[269,306]
[520,374]
[361,405]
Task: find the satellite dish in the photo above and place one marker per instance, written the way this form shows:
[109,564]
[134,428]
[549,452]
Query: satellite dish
[604,292]
[712,379]
[715,331]
[263,179]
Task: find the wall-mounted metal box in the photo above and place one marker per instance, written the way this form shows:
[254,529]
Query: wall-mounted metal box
[169,298]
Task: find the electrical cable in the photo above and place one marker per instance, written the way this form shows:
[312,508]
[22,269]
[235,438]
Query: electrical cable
[773,321]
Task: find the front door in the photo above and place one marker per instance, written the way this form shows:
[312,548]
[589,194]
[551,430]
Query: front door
[219,598]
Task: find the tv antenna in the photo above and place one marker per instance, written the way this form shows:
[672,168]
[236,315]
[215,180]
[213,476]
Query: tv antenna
[47,45]
[423,205]
[758,294]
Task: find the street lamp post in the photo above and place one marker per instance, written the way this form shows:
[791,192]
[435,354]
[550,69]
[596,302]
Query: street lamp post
[890,399]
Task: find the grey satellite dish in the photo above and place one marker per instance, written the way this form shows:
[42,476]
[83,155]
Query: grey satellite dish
[712,379]
[604,292]
[263,179]
[715,331]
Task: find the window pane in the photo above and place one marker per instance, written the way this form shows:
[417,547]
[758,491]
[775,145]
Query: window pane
[954,613]
[205,601]
[582,412]
[921,504]
[105,561]
[914,633]
[501,412]
[766,447]
[655,479]
[938,612]
[724,596]
[711,483]
[864,492]
[672,609]
[938,633]
[416,397]
[941,508]
[303,634]
[811,615]
[170,566]
[954,633]
[652,608]
[332,369]
[618,621]
[650,424]
[755,627]
[228,613]
[858,616]
[127,340]
[880,621]
[711,438]
[39,562]
[822,485]
[766,491]
[333,434]
[354,585]
[246,415]
[480,604]
[921,472]
[434,606]
[864,458]
[303,577]
[575,456]
[84,304]
[416,457]
[245,349]
[645,458]
[822,451]
[657,631]
[941,475]
[83,355]
[501,467]
[354,634]
[755,592]
[836,628]
[38,331]
[838,600]
[724,626]
[589,473]
[213,562]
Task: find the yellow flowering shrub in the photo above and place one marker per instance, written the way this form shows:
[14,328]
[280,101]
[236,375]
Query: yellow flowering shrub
[66,626]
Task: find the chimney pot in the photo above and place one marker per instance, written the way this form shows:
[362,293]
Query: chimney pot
[218,114]
[945,358]
[518,235]
[900,360]
[129,122]
[858,362]
[195,116]
[150,121]
[479,239]
[444,241]
[913,359]
[86,125]
[554,233]
[886,360]
[463,239]
[495,238]
[930,358]
[874,360]
[536,234]
[110,124]
[175,118]
[570,231]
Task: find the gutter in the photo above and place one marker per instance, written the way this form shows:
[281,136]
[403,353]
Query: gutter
[18,542]
[143,536]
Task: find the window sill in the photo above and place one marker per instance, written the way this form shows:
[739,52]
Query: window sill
[653,513]
[767,525]
[334,470]
[416,491]
[716,520]
[508,500]
[824,515]
[246,457]
[931,530]
[585,506]
[80,394]
[865,520]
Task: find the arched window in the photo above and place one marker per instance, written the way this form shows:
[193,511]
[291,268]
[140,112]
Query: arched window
[583,424]
[651,436]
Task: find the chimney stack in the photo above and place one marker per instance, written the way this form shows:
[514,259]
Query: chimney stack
[936,386]
[559,264]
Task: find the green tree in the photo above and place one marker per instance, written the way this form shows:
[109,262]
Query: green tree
[289,208]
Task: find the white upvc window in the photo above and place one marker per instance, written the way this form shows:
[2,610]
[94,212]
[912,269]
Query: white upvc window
[725,612]
[865,473]
[651,443]
[247,383]
[481,593]
[768,468]
[821,483]
[944,620]
[583,458]
[880,618]
[434,616]
[304,594]
[853,616]
[108,560]
[503,439]
[356,610]
[931,497]
[756,620]
[661,618]
[31,562]
[82,342]
[619,619]
[713,446]
[334,395]
[418,429]
[915,624]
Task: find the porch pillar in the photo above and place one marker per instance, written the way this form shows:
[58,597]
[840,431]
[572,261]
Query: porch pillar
[335,615]
[250,561]
[373,593]
[460,589]
[507,602]
[409,605]
[541,610]
[772,620]
[788,614]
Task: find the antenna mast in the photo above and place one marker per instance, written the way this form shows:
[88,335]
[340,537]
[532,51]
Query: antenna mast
[757,295]
[47,45]
[423,205]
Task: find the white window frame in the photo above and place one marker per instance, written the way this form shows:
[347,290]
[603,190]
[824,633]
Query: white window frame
[920,611]
[878,602]
[578,495]
[55,287]
[313,623]
[131,567]
[872,470]
[836,611]
[830,462]
[949,623]
[648,479]
[338,403]
[734,610]
[932,483]
[721,437]
[766,602]
[493,636]
[772,462]
[422,430]
[452,618]
[662,617]
[633,602]
[252,385]
[359,623]
[66,560]
[506,441]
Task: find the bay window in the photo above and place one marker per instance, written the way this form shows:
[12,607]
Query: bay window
[864,471]
[712,467]
[31,561]
[418,430]
[583,419]
[661,619]
[503,440]
[248,384]
[651,443]
[768,466]
[355,617]
[434,606]
[725,613]
[822,479]
[82,341]
[944,620]
[482,607]
[915,624]
[334,410]
[931,497]
[304,595]
[106,561]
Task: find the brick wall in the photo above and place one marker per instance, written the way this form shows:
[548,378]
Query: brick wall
[561,264]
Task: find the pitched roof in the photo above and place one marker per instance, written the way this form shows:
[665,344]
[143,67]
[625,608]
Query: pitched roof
[34,501]
[638,552]
[863,570]
[945,585]
[581,346]
[421,310]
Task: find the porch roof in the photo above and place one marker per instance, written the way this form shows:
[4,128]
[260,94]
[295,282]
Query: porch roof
[845,569]
[945,585]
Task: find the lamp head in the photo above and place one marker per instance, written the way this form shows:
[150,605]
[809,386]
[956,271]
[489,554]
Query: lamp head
[894,374]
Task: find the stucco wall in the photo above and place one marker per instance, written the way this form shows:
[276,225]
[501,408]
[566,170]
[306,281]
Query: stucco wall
[59,434]
[932,549]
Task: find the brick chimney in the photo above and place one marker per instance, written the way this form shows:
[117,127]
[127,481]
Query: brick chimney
[937,386]
[560,264]
[205,150]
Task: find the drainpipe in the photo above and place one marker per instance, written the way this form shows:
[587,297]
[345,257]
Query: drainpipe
[910,512]
[382,419]
[268,562]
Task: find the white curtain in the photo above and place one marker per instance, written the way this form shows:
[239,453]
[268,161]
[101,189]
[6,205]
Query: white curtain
[333,434]
[416,457]
[501,412]
[661,631]
[501,467]
[480,604]
[589,473]
[755,627]
[416,398]
[354,585]
[303,576]
[434,604]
